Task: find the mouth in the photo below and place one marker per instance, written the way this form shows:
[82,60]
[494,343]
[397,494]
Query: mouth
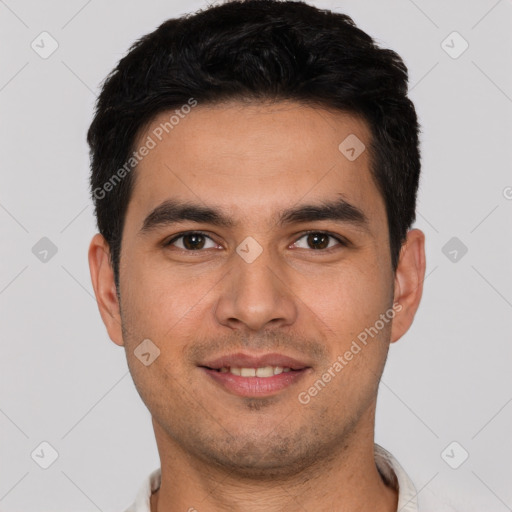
[253,376]
[263,371]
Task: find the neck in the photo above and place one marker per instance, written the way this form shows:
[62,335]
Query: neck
[348,481]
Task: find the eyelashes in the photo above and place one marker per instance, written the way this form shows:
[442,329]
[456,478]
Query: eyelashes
[195,241]
[188,234]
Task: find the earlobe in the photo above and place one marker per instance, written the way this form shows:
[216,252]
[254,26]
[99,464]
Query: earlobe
[409,278]
[102,277]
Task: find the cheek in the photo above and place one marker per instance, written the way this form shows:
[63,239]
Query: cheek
[350,300]
[154,294]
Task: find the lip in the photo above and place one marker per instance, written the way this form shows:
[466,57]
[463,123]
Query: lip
[255,386]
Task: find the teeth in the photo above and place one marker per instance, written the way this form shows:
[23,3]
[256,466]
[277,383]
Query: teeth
[265,371]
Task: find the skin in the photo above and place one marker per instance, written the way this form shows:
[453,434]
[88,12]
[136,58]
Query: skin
[220,451]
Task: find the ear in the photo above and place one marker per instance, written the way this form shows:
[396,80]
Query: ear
[102,276]
[409,277]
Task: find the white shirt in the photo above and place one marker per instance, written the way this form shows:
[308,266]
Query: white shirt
[388,467]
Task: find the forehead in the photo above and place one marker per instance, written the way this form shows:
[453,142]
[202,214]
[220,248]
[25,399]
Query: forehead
[255,159]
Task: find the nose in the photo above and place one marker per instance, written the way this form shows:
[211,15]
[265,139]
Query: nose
[256,296]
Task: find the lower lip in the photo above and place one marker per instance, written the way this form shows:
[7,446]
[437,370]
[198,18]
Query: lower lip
[255,386]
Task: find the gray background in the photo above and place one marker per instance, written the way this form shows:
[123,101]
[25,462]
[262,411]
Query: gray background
[64,382]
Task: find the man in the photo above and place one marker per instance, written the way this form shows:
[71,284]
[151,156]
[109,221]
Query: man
[254,171]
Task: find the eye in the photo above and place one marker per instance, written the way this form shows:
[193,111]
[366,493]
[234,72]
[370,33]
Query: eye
[197,240]
[191,241]
[319,240]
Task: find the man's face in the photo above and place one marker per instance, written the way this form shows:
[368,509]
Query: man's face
[258,291]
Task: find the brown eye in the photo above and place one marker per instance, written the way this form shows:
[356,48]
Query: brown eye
[192,241]
[318,240]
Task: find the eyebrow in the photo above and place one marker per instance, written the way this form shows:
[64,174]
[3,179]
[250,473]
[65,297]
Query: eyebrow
[173,211]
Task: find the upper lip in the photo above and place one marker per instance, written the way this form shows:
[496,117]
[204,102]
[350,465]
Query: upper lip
[243,360]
